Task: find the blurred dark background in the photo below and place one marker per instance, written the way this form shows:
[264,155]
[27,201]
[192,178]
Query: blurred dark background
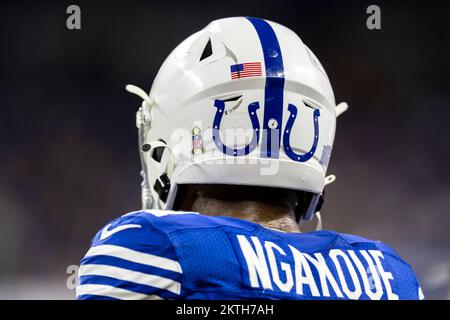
[68,142]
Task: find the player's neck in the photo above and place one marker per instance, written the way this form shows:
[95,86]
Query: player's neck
[274,217]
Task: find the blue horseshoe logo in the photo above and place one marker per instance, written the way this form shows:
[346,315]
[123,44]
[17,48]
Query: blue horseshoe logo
[286,137]
[252,107]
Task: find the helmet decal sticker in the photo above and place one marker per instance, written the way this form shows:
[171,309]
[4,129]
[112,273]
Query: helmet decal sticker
[274,88]
[287,132]
[252,107]
[197,141]
[245,70]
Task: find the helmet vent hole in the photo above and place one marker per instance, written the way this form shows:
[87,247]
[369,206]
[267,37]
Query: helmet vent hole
[207,51]
[307,104]
[236,98]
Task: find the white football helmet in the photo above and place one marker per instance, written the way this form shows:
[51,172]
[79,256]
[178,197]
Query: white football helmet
[241,102]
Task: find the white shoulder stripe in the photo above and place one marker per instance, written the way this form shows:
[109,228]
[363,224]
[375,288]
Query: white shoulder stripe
[135,256]
[420,294]
[130,275]
[113,292]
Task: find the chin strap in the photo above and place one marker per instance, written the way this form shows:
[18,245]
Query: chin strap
[319,221]
[143,122]
[328,180]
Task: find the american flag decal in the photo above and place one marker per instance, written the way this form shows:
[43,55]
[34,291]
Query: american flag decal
[245,70]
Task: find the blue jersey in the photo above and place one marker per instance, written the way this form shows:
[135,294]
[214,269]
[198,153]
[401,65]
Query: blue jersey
[183,255]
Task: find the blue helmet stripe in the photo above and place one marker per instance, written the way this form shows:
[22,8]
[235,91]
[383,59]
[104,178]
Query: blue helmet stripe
[274,88]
